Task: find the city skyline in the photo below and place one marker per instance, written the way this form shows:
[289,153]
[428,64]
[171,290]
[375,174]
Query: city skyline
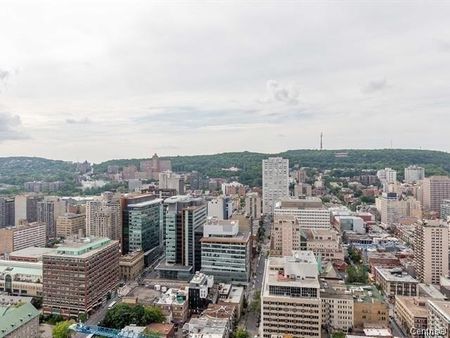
[81,81]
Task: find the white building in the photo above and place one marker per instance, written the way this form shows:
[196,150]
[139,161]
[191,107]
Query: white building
[387,175]
[290,296]
[391,208]
[170,180]
[220,207]
[414,174]
[275,175]
[309,212]
[104,218]
[253,205]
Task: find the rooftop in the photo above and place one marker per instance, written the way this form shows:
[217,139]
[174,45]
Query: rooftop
[396,275]
[146,203]
[13,317]
[83,247]
[416,306]
[442,306]
[33,252]
[21,268]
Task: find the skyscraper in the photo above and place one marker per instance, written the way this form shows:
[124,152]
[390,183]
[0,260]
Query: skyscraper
[435,189]
[48,211]
[275,176]
[104,218]
[414,174]
[6,212]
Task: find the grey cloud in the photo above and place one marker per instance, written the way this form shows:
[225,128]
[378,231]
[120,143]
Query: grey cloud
[279,93]
[4,74]
[10,127]
[375,86]
[85,120]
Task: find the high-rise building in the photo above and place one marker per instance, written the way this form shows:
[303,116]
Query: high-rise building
[435,189]
[445,209]
[387,175]
[170,180]
[104,218]
[48,211]
[309,212]
[220,207]
[431,251]
[253,205]
[80,276]
[290,296]
[414,174]
[184,217]
[6,212]
[144,228]
[391,208]
[22,236]
[275,177]
[225,251]
[70,224]
[25,208]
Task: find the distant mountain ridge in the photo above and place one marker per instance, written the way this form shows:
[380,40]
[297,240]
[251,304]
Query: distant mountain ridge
[249,163]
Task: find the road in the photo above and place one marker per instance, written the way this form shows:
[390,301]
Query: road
[96,317]
[251,319]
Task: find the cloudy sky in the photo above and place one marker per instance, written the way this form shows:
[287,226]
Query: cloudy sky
[118,79]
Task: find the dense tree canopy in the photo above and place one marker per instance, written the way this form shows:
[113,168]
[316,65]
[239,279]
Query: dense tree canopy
[122,315]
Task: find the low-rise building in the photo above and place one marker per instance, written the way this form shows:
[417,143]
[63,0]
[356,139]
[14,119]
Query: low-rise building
[164,330]
[411,314]
[232,294]
[131,265]
[396,282]
[369,308]
[207,327]
[19,321]
[174,305]
[21,278]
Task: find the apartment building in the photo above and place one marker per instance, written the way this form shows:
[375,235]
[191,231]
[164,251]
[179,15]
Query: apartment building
[170,180]
[81,275]
[414,174]
[225,251]
[290,299]
[104,217]
[309,212]
[25,208]
[445,209]
[275,177]
[220,207]
[431,250]
[22,236]
[391,208]
[70,224]
[434,190]
[253,205]
[48,211]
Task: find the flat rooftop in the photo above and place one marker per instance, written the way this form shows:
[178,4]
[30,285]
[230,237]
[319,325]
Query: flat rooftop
[21,268]
[32,252]
[416,306]
[442,306]
[146,203]
[396,275]
[82,248]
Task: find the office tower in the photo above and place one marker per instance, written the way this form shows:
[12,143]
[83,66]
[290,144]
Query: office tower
[290,299]
[220,207]
[25,208]
[225,251]
[445,209]
[253,205]
[22,236]
[435,189]
[184,217]
[309,212]
[104,218]
[414,174]
[391,208]
[431,251]
[7,212]
[48,211]
[70,224]
[170,180]
[80,276]
[275,178]
[144,226]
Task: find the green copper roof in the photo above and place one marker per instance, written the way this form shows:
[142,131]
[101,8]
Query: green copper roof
[14,316]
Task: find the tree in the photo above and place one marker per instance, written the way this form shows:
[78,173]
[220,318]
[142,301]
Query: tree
[61,330]
[357,274]
[256,303]
[338,334]
[122,315]
[241,333]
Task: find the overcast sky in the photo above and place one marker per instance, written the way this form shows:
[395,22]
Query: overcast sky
[101,79]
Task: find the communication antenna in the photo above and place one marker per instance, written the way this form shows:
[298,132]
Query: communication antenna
[321,140]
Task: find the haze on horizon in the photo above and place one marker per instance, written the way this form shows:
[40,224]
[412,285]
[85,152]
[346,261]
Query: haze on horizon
[99,80]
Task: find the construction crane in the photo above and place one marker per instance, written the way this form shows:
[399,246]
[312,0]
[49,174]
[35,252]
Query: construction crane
[107,332]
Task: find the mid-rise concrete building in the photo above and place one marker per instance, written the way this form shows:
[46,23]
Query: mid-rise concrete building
[220,207]
[434,190]
[309,212]
[131,265]
[350,223]
[387,175]
[25,208]
[336,306]
[431,251]
[445,209]
[22,236]
[70,224]
[290,296]
[411,314]
[414,174]
[438,319]
[253,205]
[80,276]
[170,180]
[391,208]
[396,282]
[275,176]
[21,278]
[226,252]
[233,188]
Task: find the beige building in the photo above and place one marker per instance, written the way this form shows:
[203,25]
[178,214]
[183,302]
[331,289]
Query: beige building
[411,313]
[337,306]
[21,278]
[290,300]
[22,236]
[131,265]
[369,308]
[104,218]
[439,317]
[431,251]
[70,224]
[396,282]
[253,205]
[391,208]
[174,305]
[309,212]
[434,190]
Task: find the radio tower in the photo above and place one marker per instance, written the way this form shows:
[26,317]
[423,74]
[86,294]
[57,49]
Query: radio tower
[321,140]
